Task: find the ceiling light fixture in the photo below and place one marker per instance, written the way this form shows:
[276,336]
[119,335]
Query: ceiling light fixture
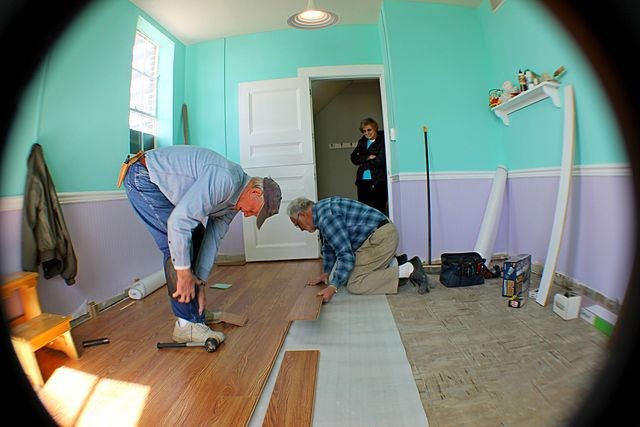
[312,18]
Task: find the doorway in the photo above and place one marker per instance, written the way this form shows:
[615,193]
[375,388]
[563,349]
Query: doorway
[341,81]
[339,105]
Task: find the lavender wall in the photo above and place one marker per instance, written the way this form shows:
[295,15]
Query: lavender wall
[457,209]
[112,247]
[597,244]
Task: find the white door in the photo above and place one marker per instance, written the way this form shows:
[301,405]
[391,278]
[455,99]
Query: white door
[276,140]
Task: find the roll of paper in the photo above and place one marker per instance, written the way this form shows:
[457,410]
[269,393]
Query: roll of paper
[145,286]
[491,220]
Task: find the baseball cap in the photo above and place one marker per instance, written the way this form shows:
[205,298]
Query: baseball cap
[272,197]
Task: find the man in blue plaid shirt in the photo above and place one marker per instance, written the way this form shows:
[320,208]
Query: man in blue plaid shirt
[359,246]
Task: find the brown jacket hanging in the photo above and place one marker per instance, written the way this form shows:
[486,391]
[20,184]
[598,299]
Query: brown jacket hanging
[45,239]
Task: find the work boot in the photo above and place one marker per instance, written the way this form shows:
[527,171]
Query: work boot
[195,332]
[419,277]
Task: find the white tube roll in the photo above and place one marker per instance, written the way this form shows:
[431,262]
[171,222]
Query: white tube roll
[145,286]
[489,226]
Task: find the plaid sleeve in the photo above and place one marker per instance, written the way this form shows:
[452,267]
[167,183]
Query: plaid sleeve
[338,245]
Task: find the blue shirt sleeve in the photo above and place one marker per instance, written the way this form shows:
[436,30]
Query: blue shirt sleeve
[206,198]
[214,232]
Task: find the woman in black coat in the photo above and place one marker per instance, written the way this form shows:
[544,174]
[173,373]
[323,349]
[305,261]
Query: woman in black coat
[369,156]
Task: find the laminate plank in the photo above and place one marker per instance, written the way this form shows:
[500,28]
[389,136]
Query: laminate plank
[188,386]
[291,403]
[307,306]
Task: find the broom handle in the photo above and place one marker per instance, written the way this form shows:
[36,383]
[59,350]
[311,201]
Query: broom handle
[185,124]
[426,150]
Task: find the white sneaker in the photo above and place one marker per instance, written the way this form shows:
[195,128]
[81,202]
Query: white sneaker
[195,332]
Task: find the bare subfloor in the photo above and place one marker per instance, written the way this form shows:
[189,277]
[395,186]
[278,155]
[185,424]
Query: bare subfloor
[478,362]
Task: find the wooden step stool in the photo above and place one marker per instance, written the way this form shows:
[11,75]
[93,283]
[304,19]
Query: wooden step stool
[35,329]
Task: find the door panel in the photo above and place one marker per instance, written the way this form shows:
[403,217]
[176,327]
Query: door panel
[276,141]
[275,123]
[278,238]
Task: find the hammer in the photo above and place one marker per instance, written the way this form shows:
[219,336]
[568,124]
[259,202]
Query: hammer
[211,344]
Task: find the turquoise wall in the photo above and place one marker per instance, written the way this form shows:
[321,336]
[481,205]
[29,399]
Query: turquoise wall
[77,106]
[440,61]
[265,56]
[439,79]
[523,34]
[205,95]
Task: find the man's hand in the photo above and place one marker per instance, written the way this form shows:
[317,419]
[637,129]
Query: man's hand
[318,280]
[185,287]
[328,293]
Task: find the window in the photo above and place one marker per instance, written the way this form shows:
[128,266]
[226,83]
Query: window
[144,90]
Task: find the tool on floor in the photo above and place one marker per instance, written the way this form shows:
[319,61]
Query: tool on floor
[97,341]
[211,344]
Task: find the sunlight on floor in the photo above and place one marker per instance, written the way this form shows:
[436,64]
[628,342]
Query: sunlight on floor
[75,398]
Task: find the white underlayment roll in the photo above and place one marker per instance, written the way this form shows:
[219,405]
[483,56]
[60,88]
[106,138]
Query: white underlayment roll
[147,285]
[489,226]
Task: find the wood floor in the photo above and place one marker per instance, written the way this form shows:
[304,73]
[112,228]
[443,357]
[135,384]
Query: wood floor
[476,362]
[146,386]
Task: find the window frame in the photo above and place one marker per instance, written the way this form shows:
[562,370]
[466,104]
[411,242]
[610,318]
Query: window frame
[143,119]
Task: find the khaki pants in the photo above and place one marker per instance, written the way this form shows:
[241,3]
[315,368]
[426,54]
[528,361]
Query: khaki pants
[371,274]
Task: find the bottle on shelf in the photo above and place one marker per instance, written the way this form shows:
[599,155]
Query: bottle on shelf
[528,75]
[522,81]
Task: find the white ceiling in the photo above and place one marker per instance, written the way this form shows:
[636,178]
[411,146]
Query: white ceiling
[194,21]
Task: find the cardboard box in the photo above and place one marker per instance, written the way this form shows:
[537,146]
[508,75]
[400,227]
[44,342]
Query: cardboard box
[601,318]
[567,306]
[516,276]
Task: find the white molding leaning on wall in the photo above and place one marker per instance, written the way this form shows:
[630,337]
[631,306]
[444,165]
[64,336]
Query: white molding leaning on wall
[14,203]
[612,169]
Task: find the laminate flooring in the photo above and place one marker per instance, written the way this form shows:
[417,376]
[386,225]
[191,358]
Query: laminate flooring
[131,382]
[475,361]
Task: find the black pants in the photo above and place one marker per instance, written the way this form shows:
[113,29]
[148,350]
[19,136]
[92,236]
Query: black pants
[374,195]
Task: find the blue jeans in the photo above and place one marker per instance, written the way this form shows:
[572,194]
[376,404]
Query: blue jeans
[153,209]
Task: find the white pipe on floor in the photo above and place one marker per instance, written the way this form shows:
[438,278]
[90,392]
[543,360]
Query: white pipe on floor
[489,226]
[145,286]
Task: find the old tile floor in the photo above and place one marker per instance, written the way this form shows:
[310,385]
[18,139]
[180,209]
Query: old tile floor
[478,362]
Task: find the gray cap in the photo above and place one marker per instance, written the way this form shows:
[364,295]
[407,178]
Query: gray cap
[272,197]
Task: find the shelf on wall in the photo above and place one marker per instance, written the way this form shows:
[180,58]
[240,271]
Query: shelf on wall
[524,99]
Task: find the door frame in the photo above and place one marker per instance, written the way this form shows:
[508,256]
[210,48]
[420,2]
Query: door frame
[370,72]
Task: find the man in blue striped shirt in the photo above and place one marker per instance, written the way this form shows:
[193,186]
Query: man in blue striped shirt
[359,246]
[187,196]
